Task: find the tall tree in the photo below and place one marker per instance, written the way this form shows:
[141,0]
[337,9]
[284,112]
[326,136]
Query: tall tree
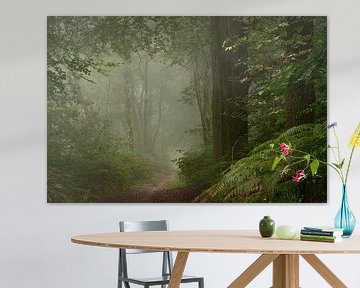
[201,70]
[230,88]
[129,110]
[189,47]
[300,92]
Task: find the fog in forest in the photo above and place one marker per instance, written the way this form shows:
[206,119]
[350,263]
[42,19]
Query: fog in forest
[146,108]
[184,109]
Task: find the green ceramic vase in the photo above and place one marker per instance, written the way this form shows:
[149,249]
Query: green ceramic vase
[266,227]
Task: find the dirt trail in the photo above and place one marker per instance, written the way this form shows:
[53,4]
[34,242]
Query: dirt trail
[162,184]
[161,191]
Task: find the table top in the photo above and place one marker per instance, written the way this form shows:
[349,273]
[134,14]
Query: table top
[217,241]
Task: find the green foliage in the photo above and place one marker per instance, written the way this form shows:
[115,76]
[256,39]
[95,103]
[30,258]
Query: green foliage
[72,47]
[96,179]
[314,166]
[277,161]
[251,179]
[198,168]
[273,65]
[131,34]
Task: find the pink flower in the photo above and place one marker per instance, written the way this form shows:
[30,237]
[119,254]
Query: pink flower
[299,175]
[285,149]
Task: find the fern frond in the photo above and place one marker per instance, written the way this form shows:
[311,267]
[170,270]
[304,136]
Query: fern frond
[251,179]
[298,130]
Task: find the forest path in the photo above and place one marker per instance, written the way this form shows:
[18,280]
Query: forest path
[161,191]
[164,183]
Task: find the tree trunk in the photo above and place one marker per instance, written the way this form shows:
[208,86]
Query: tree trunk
[147,111]
[230,89]
[202,91]
[129,112]
[145,107]
[300,92]
[159,121]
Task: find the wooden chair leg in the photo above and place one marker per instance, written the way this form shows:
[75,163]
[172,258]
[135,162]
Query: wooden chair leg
[253,270]
[324,271]
[178,269]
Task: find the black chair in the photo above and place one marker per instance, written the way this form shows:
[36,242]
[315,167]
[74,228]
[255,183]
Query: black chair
[167,265]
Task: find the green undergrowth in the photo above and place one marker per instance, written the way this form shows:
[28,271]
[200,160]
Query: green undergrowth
[97,179]
[251,179]
[198,168]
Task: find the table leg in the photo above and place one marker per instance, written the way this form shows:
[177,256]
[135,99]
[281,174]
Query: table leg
[286,271]
[324,271]
[253,270]
[178,269]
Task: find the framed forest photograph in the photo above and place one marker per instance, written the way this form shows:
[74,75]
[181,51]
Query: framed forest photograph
[186,109]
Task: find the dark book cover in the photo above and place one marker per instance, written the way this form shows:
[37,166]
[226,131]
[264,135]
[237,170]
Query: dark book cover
[321,233]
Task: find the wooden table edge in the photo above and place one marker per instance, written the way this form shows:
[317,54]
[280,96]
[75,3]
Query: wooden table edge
[203,250]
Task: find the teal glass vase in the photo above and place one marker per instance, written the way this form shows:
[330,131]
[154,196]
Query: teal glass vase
[345,219]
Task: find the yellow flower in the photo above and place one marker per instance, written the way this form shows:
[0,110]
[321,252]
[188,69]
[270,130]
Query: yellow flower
[355,138]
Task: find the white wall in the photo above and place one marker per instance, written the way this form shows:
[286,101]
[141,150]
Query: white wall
[35,248]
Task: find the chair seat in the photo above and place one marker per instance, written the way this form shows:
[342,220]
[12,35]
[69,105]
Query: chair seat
[158,280]
[167,261]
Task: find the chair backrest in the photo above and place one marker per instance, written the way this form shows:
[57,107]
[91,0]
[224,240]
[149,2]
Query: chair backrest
[134,226]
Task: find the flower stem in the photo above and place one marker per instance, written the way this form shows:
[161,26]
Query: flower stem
[348,167]
[333,152]
[339,155]
[338,145]
[325,163]
[351,156]
[336,169]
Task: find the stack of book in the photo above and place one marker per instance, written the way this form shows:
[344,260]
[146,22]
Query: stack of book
[321,234]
